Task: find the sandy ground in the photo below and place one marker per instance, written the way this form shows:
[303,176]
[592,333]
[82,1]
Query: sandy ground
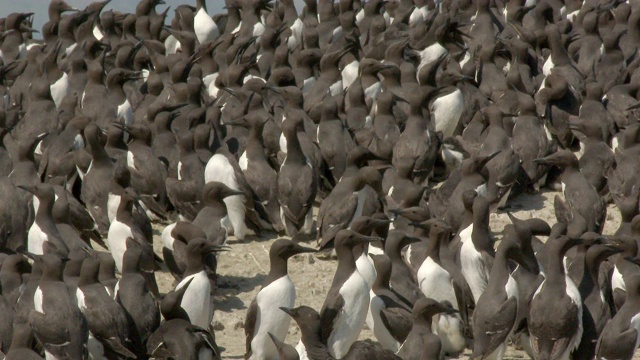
[243,269]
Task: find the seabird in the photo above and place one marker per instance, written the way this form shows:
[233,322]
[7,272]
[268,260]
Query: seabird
[56,321]
[263,320]
[132,293]
[349,294]
[310,324]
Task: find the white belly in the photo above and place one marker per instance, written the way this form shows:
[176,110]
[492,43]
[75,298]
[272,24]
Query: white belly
[197,302]
[209,83]
[117,241]
[435,282]
[308,84]
[97,33]
[374,321]
[336,88]
[205,28]
[416,17]
[348,324]
[574,294]
[474,269]
[430,54]
[60,89]
[548,66]
[465,234]
[243,162]
[36,239]
[296,35]
[37,300]
[366,269]
[113,202]
[617,281]
[447,111]
[125,111]
[219,169]
[171,44]
[350,74]
[270,319]
[167,239]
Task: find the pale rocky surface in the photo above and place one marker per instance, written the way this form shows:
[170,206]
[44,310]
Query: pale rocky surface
[242,270]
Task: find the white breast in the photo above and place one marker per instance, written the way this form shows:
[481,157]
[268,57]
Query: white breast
[219,169]
[435,282]
[36,239]
[171,44]
[511,288]
[125,111]
[447,111]
[359,16]
[373,91]
[167,239]
[205,28]
[243,162]
[296,34]
[350,73]
[336,88]
[280,293]
[116,289]
[37,300]
[348,324]
[97,33]
[69,49]
[465,234]
[117,241]
[548,66]
[416,17]
[130,160]
[308,84]
[80,300]
[374,321]
[617,281]
[366,269]
[258,29]
[197,302]
[431,54]
[474,269]
[574,294]
[60,89]
[113,201]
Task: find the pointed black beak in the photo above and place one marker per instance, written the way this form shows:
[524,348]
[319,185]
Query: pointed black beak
[290,312]
[29,189]
[299,249]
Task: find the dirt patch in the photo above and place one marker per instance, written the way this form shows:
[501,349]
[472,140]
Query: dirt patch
[243,269]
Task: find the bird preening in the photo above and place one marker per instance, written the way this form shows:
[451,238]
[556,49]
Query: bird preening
[466,172]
